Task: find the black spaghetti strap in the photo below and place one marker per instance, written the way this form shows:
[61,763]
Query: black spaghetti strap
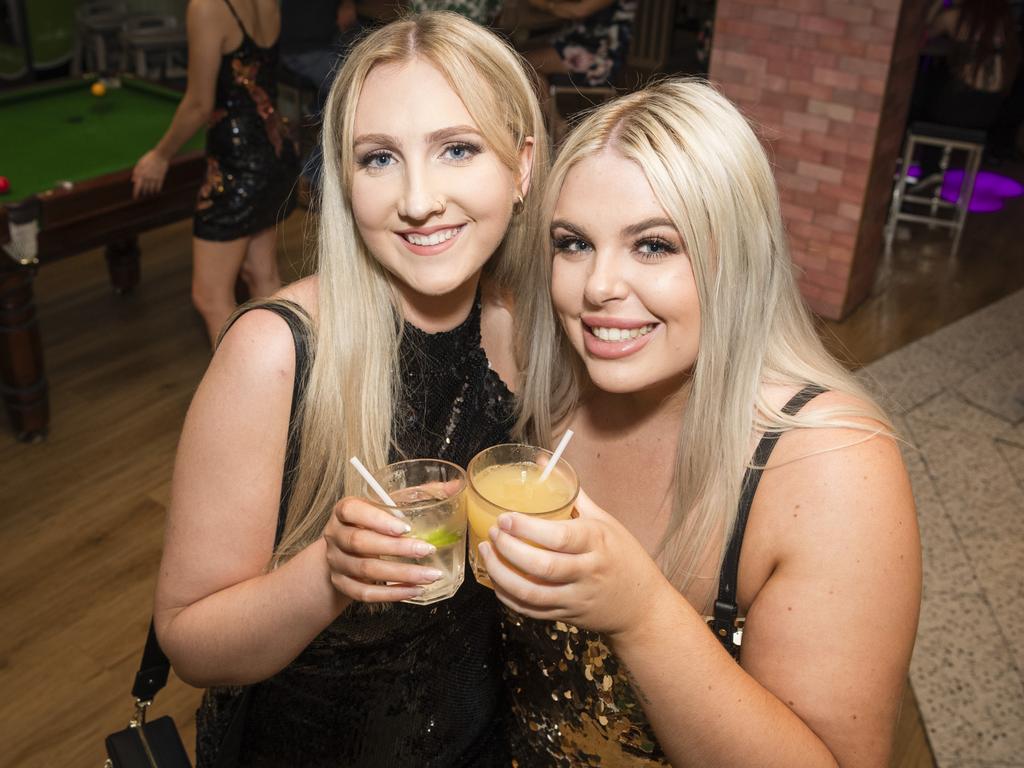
[724,623]
[234,13]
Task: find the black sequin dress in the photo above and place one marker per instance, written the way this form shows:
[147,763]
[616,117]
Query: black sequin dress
[252,162]
[407,685]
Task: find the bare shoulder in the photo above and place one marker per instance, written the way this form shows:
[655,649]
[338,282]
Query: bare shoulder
[497,332]
[836,488]
[257,352]
[304,292]
[207,11]
[861,428]
[830,580]
[861,443]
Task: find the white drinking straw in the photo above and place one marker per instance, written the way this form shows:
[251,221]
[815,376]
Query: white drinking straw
[377,488]
[556,455]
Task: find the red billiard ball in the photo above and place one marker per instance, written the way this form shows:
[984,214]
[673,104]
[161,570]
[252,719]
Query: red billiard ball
[5,185]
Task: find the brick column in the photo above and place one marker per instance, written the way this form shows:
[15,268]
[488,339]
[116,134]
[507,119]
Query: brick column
[828,82]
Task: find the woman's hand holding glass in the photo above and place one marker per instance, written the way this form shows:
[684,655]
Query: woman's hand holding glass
[358,535]
[589,571]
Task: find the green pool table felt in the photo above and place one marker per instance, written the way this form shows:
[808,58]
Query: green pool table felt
[61,132]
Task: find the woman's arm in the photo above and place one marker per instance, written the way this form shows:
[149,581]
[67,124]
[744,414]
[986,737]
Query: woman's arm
[828,636]
[205,36]
[220,618]
[573,10]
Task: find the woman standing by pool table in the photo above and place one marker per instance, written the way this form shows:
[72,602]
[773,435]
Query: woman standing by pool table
[252,162]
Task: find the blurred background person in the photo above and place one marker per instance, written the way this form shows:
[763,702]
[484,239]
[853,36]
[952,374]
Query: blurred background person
[981,61]
[590,50]
[315,34]
[481,11]
[252,162]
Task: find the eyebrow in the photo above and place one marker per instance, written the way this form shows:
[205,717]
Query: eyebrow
[631,231]
[432,138]
[651,223]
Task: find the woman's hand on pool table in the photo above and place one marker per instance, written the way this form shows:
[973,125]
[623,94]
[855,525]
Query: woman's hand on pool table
[148,174]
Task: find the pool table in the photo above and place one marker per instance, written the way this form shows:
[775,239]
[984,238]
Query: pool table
[68,156]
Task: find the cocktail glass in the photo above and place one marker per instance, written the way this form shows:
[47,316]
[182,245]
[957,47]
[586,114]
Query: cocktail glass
[431,498]
[506,478]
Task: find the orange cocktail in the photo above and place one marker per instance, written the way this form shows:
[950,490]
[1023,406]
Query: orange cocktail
[507,478]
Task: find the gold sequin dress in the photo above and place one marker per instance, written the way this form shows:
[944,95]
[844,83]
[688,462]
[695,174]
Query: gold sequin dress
[572,703]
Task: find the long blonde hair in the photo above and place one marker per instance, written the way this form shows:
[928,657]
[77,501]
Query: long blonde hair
[711,175]
[347,410]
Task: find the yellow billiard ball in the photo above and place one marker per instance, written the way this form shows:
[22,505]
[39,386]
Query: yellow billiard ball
[98,89]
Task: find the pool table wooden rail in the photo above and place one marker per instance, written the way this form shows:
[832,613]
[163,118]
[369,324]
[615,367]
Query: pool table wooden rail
[72,219]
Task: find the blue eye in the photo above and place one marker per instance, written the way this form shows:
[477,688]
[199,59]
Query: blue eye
[570,244]
[655,248]
[461,151]
[377,160]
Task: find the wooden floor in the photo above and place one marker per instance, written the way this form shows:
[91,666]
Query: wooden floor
[82,514]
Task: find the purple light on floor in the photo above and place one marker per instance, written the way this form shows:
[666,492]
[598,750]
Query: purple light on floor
[990,189]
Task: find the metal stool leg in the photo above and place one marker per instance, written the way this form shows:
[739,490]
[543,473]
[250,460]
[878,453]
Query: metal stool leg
[963,203]
[897,192]
[937,192]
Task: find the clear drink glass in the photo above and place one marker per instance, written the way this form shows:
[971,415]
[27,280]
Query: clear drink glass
[431,498]
[506,478]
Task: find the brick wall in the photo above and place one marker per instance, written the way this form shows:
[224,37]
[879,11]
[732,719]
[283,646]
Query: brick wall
[828,82]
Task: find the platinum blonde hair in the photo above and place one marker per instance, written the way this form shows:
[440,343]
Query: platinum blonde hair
[711,175]
[348,407]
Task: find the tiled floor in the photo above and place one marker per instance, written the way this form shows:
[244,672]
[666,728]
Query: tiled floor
[958,397]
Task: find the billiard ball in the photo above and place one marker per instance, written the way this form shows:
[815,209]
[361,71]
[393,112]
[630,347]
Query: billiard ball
[98,88]
[5,185]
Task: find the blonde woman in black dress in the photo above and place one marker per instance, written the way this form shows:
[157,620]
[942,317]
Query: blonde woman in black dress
[252,162]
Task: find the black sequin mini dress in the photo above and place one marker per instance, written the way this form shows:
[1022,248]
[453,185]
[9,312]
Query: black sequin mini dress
[252,162]
[408,685]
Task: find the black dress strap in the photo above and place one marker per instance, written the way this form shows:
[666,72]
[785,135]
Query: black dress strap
[234,13]
[724,622]
[299,324]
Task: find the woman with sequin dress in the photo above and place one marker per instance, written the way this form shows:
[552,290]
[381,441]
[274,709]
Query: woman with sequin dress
[252,160]
[641,633]
[271,592]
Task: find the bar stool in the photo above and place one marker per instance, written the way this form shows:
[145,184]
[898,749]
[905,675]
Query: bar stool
[148,36]
[97,25]
[920,200]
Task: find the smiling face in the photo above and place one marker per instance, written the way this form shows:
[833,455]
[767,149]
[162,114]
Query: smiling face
[431,200]
[621,282]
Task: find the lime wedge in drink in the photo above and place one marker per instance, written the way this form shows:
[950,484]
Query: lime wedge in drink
[440,537]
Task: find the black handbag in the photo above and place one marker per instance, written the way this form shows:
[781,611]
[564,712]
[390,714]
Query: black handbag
[156,744]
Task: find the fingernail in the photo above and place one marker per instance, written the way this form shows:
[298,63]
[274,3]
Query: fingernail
[505,522]
[399,527]
[483,548]
[433,574]
[423,549]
